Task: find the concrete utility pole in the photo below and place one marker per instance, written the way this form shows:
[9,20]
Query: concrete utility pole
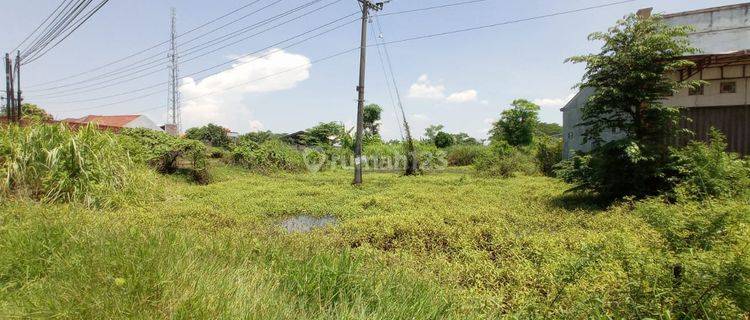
[174,78]
[366,7]
[9,111]
[19,99]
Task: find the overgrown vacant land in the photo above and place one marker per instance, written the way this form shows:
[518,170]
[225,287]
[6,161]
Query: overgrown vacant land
[444,245]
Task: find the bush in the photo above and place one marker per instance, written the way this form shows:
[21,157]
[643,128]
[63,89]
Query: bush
[708,256]
[707,170]
[618,169]
[464,155]
[504,160]
[212,134]
[270,156]
[548,154]
[163,152]
[51,163]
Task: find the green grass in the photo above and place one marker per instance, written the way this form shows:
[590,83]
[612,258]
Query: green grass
[443,245]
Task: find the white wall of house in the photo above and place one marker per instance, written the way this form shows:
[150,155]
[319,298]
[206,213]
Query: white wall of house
[143,122]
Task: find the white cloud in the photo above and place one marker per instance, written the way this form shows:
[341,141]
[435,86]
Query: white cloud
[424,89]
[462,96]
[225,105]
[420,116]
[484,102]
[553,102]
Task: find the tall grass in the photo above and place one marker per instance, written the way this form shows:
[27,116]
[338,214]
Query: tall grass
[51,163]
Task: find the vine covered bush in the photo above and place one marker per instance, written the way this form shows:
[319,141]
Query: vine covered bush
[167,154]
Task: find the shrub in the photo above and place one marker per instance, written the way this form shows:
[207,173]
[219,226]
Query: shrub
[212,134]
[443,140]
[707,170]
[464,155]
[618,169]
[163,152]
[51,163]
[707,246]
[504,160]
[270,156]
[548,154]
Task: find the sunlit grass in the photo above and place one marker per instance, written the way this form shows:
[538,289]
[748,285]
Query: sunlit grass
[442,245]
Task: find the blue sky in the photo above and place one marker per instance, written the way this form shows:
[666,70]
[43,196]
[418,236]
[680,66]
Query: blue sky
[462,81]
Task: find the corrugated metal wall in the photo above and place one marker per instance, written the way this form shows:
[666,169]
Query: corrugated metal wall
[733,121]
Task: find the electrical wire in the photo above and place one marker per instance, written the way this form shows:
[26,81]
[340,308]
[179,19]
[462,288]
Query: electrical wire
[136,67]
[427,36]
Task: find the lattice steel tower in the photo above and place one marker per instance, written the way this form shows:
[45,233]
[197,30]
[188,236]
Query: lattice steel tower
[173,103]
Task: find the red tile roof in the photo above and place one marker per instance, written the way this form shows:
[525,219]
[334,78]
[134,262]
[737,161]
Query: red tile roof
[107,121]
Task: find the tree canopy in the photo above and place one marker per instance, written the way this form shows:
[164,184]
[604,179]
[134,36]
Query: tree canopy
[630,75]
[517,125]
[212,134]
[371,119]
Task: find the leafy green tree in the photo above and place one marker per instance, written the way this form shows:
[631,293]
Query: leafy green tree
[212,134]
[259,136]
[548,129]
[371,118]
[463,138]
[432,131]
[324,134]
[631,77]
[516,125]
[32,112]
[443,140]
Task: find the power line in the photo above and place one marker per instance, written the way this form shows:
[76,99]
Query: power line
[36,56]
[240,58]
[99,86]
[40,25]
[411,39]
[192,50]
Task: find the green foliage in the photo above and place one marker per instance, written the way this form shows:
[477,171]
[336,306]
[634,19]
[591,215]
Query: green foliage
[463,138]
[431,132]
[164,152]
[31,112]
[51,163]
[516,125]
[371,120]
[464,155]
[619,169]
[443,140]
[212,134]
[631,77]
[548,153]
[269,157]
[324,134]
[257,137]
[501,159]
[436,246]
[549,129]
[708,252]
[708,171]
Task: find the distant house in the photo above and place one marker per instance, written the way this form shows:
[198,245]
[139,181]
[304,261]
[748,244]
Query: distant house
[231,134]
[723,36]
[114,123]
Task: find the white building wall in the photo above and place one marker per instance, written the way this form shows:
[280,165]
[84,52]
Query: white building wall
[143,122]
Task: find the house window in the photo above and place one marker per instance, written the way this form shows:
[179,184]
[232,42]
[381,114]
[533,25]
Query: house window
[570,135]
[729,87]
[696,91]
